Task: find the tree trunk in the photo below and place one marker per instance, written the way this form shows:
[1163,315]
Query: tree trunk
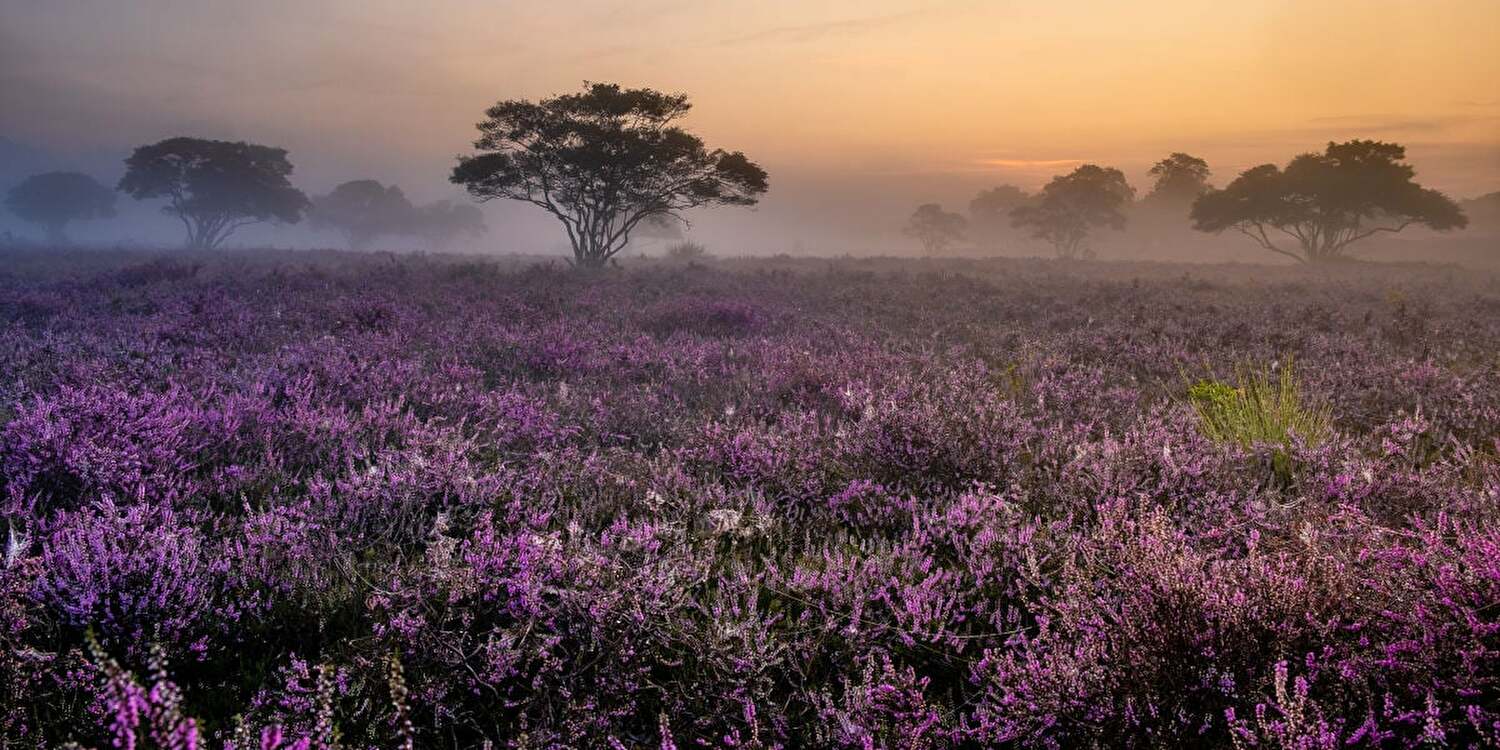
[589,260]
[590,252]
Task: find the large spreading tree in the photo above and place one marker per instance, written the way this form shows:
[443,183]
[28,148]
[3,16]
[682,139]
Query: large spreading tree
[603,161]
[215,187]
[55,199]
[1072,205]
[1320,204]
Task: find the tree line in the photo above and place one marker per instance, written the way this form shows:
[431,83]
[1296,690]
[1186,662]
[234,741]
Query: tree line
[215,188]
[1313,209]
[610,162]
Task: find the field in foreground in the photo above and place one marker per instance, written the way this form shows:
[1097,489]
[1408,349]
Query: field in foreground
[429,502]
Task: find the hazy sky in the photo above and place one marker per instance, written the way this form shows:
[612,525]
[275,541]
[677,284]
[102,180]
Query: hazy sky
[858,108]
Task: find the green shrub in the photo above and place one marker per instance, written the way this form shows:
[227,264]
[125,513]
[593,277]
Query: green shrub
[1259,408]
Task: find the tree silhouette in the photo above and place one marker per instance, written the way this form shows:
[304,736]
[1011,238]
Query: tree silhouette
[935,228]
[1180,179]
[989,212]
[1071,205]
[1326,202]
[56,199]
[1484,211]
[444,222]
[214,187]
[603,161]
[362,210]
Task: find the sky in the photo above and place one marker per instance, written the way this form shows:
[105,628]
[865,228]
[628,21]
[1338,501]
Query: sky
[859,109]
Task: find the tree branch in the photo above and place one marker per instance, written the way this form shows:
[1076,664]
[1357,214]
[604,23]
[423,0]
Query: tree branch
[1261,239]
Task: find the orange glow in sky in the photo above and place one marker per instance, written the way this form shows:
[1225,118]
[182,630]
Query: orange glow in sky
[933,98]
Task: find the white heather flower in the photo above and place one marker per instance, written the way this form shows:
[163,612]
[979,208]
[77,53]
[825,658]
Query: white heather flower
[16,545]
[724,520]
[1308,536]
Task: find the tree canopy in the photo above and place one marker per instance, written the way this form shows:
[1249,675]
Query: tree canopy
[1180,179]
[935,228]
[215,187]
[442,223]
[362,210]
[1484,211]
[603,161]
[1071,205]
[56,199]
[1320,204]
[989,212]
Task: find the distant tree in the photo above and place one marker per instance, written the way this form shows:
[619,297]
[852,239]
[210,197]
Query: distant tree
[1180,179]
[1325,202]
[659,228]
[444,222]
[603,161]
[1071,205]
[687,251]
[56,199]
[214,187]
[989,212]
[935,228]
[363,210]
[662,229]
[1484,211]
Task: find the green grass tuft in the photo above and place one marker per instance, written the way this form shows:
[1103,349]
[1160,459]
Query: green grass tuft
[1258,408]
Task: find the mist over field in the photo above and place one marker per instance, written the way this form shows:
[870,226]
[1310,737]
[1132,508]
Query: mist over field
[860,111]
[873,375]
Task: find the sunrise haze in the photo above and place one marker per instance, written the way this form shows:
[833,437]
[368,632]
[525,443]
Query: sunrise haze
[858,110]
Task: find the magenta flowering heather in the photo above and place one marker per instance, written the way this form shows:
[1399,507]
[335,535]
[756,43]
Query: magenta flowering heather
[319,500]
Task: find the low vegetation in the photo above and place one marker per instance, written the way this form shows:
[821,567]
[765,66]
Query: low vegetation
[1258,408]
[297,500]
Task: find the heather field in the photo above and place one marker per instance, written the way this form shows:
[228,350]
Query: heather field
[313,500]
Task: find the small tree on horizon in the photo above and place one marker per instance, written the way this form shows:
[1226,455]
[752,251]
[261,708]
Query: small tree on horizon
[603,161]
[1180,180]
[1483,212]
[1071,205]
[362,210]
[442,223]
[214,187]
[935,228]
[989,213]
[55,199]
[1321,204]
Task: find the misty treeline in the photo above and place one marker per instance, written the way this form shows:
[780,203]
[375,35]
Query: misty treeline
[365,210]
[215,188]
[612,163]
[1316,208]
